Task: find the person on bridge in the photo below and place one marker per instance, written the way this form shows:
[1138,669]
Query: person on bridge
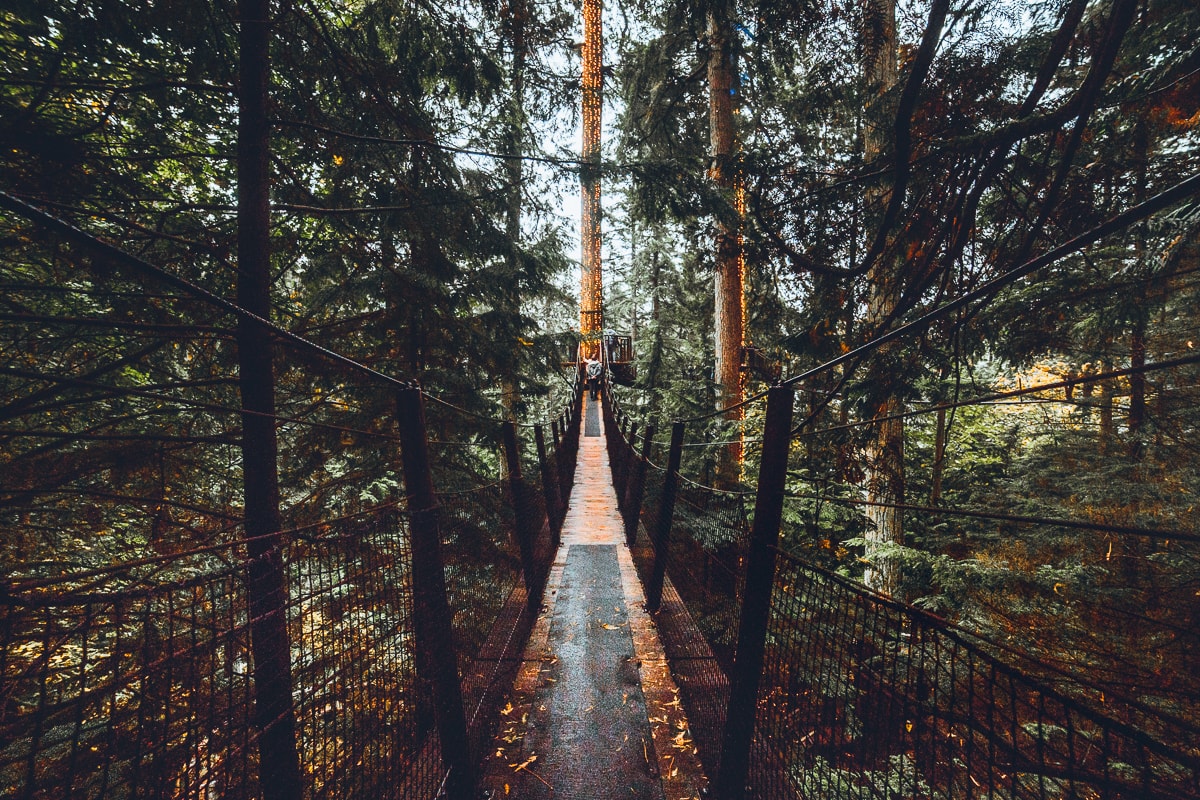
[593,370]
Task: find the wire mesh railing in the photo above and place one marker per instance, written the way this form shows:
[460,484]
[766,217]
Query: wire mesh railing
[814,686]
[113,689]
[132,598]
[139,680]
[863,697]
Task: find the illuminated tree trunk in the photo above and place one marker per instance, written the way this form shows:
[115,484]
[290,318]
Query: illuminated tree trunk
[728,328]
[591,295]
[1107,427]
[885,451]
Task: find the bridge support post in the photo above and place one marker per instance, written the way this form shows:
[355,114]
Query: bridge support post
[431,611]
[527,527]
[561,457]
[571,434]
[636,491]
[756,605]
[612,434]
[554,509]
[666,514]
[625,465]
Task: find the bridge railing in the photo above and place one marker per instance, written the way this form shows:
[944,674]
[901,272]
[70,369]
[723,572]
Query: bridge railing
[820,687]
[862,696]
[138,678]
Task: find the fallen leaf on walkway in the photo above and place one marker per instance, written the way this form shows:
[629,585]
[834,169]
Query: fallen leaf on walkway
[508,709]
[608,627]
[524,767]
[524,764]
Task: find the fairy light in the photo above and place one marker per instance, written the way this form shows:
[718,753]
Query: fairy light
[739,203]
[591,294]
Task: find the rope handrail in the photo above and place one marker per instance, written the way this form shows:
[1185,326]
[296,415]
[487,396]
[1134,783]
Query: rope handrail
[87,240]
[1180,191]
[1076,524]
[992,397]
[119,256]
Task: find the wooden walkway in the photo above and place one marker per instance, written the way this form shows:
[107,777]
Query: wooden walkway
[594,711]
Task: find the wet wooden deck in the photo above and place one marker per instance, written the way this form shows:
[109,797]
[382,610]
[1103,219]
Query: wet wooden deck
[594,712]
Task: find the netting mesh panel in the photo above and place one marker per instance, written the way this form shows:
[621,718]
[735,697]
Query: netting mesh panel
[543,544]
[143,686]
[122,689]
[643,548]
[482,561]
[863,698]
[708,547]
[363,714]
[487,599]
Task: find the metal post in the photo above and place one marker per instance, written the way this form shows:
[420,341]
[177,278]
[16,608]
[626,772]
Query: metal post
[431,611]
[616,453]
[526,526]
[636,491]
[626,447]
[666,512]
[756,605]
[561,459]
[549,486]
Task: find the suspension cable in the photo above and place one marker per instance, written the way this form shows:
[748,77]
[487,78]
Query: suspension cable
[1180,191]
[87,240]
[994,396]
[1131,530]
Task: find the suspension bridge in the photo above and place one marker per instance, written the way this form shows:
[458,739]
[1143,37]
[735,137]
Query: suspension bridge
[570,612]
[588,621]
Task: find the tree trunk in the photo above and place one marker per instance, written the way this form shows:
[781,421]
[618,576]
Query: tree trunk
[591,294]
[885,450]
[653,361]
[1106,411]
[1137,341]
[729,335]
[517,18]
[1137,380]
[939,457]
[274,716]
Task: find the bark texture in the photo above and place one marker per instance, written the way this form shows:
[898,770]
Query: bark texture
[884,457]
[274,716]
[728,330]
[591,294]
